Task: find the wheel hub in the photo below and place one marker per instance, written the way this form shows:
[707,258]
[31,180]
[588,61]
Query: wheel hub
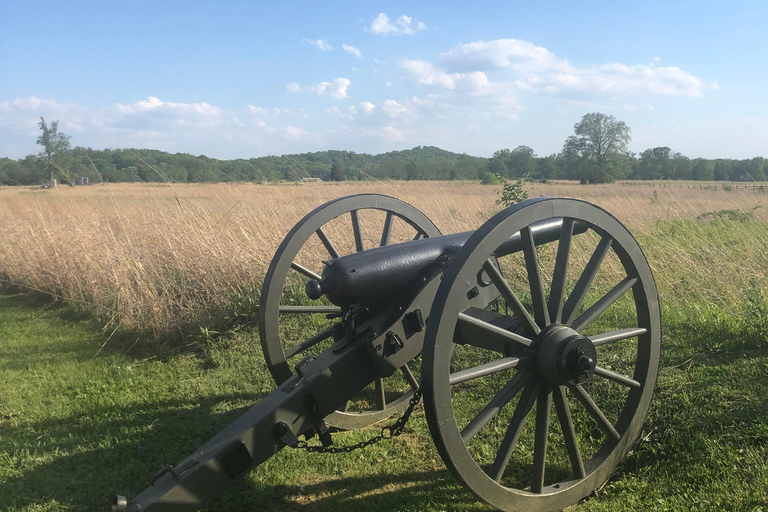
[565,356]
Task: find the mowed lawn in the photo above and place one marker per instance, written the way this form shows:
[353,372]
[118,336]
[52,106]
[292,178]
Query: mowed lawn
[82,418]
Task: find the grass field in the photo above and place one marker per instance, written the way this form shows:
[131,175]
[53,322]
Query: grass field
[84,415]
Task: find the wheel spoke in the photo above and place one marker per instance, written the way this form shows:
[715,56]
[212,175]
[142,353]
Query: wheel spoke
[594,411]
[494,330]
[381,400]
[597,309]
[618,378]
[310,342]
[569,433]
[516,425]
[359,245]
[495,405]
[543,409]
[540,311]
[484,369]
[510,298]
[387,229]
[557,290]
[621,334]
[304,270]
[309,309]
[327,243]
[590,271]
[410,377]
[418,236]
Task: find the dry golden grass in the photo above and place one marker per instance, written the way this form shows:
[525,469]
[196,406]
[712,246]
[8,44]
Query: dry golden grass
[156,257]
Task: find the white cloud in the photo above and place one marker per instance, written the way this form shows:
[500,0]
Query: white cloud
[257,110]
[294,133]
[193,114]
[33,103]
[538,69]
[351,49]
[322,44]
[473,87]
[336,88]
[367,106]
[394,109]
[347,114]
[635,108]
[500,53]
[392,133]
[403,25]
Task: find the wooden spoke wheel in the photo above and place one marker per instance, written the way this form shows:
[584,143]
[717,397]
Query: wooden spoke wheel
[287,316]
[577,326]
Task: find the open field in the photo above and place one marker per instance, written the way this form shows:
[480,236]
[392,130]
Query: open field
[84,413]
[159,258]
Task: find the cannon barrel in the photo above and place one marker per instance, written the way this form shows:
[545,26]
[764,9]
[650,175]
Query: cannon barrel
[377,275]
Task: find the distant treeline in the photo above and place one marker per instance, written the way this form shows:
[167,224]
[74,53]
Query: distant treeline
[419,163]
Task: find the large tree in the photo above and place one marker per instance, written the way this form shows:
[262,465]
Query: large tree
[54,143]
[602,141]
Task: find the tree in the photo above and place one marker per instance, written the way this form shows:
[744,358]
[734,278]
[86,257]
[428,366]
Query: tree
[337,171]
[53,142]
[602,141]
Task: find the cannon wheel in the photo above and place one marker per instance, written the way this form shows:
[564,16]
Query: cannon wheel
[284,266]
[561,457]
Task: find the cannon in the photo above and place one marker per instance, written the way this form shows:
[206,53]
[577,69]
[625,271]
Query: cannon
[534,342]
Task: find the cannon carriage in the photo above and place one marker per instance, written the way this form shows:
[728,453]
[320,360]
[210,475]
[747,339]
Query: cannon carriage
[494,328]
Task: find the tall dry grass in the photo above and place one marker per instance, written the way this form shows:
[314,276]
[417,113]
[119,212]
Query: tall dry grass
[158,257]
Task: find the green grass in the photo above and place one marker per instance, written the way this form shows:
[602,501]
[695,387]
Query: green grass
[82,418]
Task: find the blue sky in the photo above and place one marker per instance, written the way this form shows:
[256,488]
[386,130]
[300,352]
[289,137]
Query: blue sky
[245,79]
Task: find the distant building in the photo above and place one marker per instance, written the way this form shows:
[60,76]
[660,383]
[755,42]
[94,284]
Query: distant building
[310,180]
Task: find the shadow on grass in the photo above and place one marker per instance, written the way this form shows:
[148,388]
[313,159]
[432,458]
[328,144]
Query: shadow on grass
[138,344]
[118,451]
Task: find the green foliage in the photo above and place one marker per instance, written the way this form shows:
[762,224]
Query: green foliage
[600,141]
[730,215]
[54,144]
[512,192]
[582,159]
[488,178]
[337,172]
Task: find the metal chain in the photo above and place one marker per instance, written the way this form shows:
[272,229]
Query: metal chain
[388,432]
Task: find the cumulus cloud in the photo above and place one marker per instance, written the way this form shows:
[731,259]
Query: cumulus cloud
[195,114]
[536,68]
[472,86]
[321,44]
[347,114]
[150,122]
[336,88]
[404,25]
[367,106]
[351,49]
[31,103]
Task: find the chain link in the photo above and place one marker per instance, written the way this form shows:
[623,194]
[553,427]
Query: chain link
[388,432]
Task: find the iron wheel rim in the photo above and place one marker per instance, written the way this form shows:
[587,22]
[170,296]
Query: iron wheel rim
[280,267]
[439,349]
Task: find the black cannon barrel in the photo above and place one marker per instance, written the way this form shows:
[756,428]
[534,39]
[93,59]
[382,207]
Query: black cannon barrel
[379,274]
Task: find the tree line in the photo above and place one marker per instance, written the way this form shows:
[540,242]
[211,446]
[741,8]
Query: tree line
[596,153]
